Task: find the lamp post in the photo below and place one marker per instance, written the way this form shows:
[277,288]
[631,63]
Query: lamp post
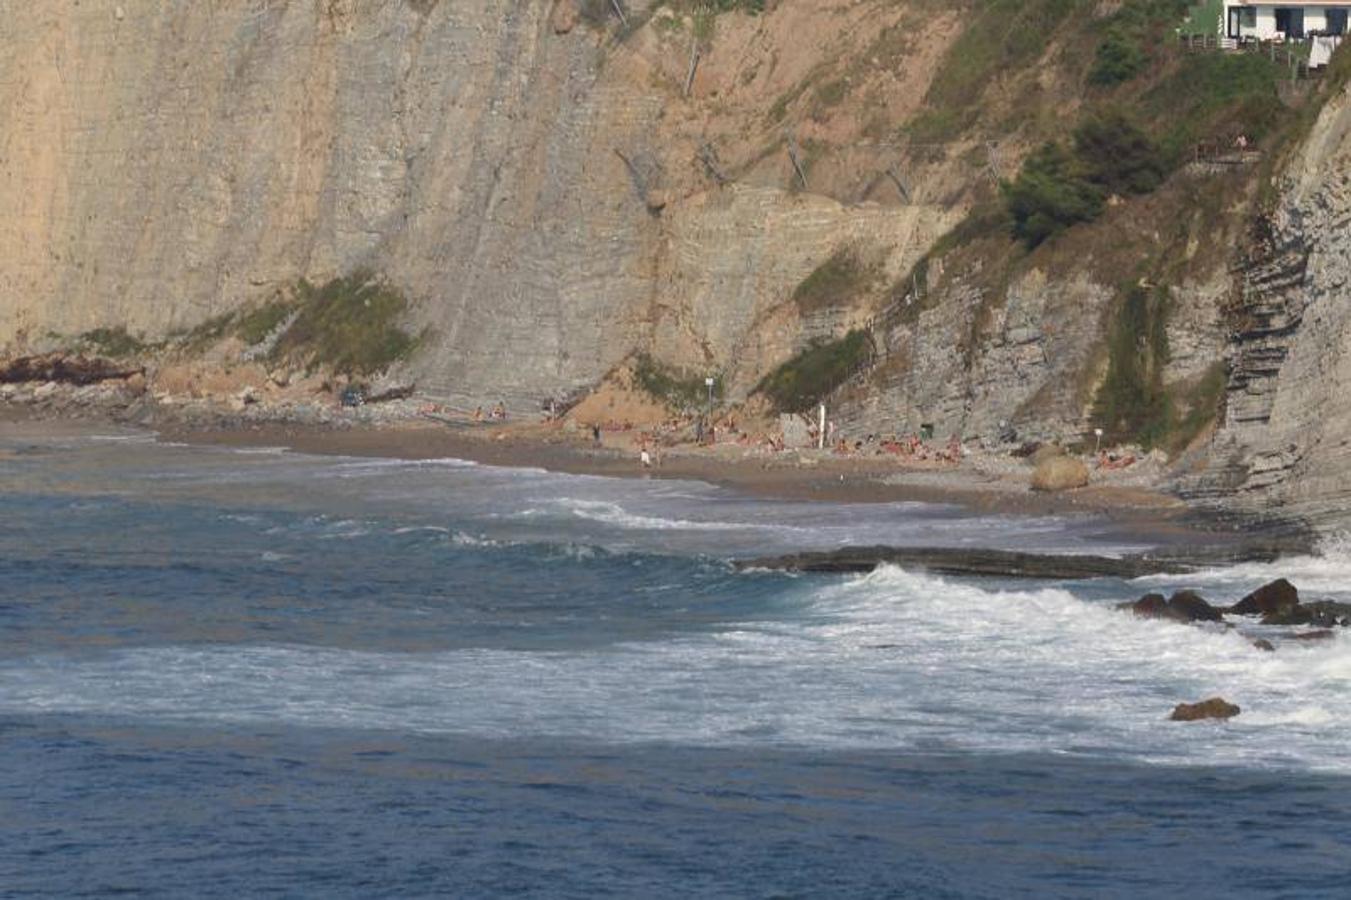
[1097,440]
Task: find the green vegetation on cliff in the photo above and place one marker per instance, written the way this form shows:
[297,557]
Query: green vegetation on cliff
[1059,187]
[256,325]
[117,342]
[819,369]
[676,388]
[1132,405]
[349,325]
[1000,36]
[841,278]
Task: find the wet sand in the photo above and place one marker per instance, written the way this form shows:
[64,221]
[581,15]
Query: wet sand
[791,475]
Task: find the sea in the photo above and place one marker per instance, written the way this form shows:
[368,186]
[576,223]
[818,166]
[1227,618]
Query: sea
[249,672]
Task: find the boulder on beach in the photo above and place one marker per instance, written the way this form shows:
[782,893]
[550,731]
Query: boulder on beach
[1214,708]
[1183,606]
[1276,597]
[1059,473]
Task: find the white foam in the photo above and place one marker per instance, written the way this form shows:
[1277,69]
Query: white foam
[890,660]
[1317,576]
[610,513]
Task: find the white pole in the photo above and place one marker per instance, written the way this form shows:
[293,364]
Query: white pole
[821,429]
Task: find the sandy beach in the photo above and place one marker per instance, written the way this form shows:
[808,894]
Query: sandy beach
[795,475]
[985,481]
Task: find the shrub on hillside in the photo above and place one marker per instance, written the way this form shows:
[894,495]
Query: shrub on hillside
[1117,155]
[1049,195]
[1131,31]
[1058,187]
[1119,58]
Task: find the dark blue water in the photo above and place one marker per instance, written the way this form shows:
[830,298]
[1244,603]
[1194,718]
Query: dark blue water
[240,675]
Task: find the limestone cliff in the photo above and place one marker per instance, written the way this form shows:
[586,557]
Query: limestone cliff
[542,190]
[1285,447]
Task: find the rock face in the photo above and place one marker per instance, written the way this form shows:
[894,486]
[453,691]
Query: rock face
[1059,473]
[533,185]
[1285,446]
[1214,708]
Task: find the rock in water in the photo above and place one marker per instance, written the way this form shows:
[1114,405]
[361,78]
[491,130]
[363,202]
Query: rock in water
[1183,606]
[1150,606]
[1059,473]
[1194,607]
[1264,645]
[1276,597]
[1214,708]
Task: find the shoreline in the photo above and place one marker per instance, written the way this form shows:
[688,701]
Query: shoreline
[1149,516]
[1142,511]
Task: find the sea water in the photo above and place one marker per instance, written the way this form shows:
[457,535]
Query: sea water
[240,672]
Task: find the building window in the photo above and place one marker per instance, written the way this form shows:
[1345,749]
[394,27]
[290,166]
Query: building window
[1290,22]
[1336,21]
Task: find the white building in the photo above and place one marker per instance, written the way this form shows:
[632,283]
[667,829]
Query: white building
[1267,21]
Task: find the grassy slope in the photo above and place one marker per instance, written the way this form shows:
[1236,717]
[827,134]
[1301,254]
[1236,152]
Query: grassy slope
[1033,75]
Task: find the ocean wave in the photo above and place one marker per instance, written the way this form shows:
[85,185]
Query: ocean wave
[355,467]
[609,513]
[1324,574]
[894,659]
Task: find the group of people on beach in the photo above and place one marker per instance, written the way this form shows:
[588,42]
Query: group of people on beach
[498,414]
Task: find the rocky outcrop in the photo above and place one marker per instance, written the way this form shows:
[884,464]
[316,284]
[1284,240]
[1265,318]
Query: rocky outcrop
[1284,450]
[1214,708]
[971,562]
[542,190]
[1183,606]
[1278,603]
